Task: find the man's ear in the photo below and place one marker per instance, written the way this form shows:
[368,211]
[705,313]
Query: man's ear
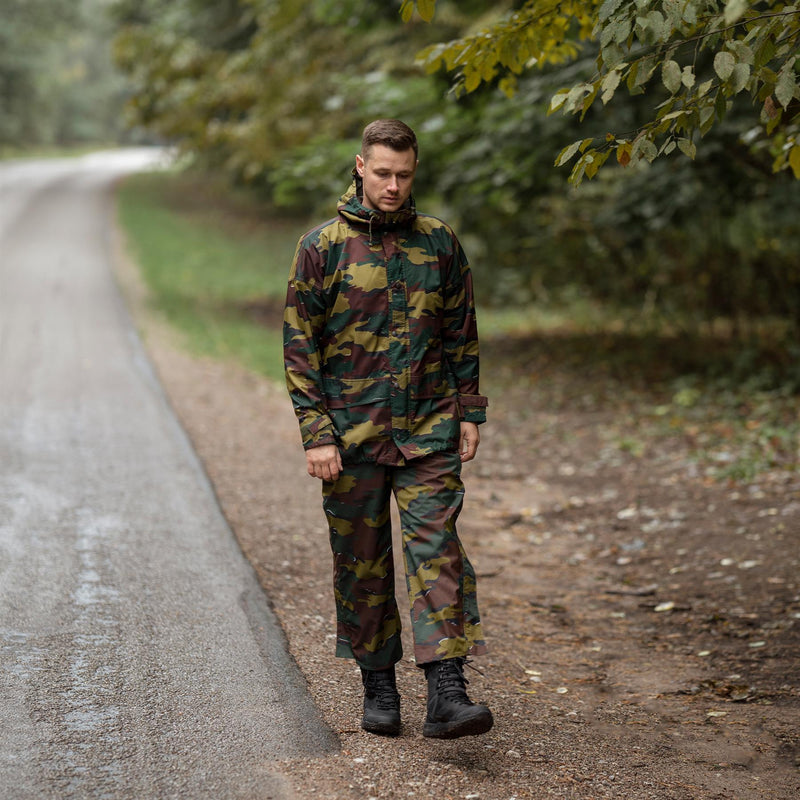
[360,165]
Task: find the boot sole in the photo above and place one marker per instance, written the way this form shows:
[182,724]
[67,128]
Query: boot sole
[382,729]
[454,730]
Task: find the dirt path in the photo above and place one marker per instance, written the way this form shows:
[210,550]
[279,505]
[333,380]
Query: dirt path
[643,621]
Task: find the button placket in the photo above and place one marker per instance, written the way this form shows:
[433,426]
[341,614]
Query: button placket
[399,345]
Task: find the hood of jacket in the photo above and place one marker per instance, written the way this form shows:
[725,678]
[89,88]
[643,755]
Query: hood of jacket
[371,220]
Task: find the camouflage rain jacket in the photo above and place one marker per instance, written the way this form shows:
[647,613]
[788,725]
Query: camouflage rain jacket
[380,339]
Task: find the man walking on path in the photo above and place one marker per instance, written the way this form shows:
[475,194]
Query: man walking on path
[381,355]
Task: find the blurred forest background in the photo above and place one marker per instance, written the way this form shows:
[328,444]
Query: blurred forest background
[271,95]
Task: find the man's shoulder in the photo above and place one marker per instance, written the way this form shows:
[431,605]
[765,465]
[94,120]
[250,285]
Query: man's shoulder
[428,223]
[436,234]
[322,232]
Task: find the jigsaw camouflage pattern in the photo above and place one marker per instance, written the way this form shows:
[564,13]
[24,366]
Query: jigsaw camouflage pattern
[439,576]
[380,337]
[381,355]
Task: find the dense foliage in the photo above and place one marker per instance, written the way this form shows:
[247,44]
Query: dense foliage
[276,92]
[57,84]
[707,53]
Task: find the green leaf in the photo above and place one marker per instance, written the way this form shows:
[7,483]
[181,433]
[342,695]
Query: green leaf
[741,51]
[648,150]
[786,85]
[646,70]
[671,76]
[687,147]
[706,118]
[723,64]
[607,9]
[734,10]
[607,36]
[658,25]
[622,30]
[764,49]
[613,55]
[632,75]
[740,77]
[645,147]
[687,77]
[721,106]
[407,10]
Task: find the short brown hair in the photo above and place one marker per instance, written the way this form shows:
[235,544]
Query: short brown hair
[391,133]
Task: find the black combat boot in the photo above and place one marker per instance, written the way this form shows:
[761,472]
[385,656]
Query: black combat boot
[381,702]
[450,712]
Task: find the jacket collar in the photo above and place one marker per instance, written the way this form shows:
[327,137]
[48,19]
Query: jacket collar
[358,215]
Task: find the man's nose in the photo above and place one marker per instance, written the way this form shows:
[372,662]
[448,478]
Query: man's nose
[393,184]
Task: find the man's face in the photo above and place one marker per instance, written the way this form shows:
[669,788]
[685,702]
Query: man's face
[387,176]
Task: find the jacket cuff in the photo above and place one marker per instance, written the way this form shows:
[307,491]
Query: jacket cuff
[320,441]
[472,408]
[318,432]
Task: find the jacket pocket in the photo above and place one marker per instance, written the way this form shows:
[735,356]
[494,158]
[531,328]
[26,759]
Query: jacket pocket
[346,392]
[430,383]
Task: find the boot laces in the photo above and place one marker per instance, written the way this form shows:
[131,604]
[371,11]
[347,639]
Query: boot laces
[379,684]
[451,683]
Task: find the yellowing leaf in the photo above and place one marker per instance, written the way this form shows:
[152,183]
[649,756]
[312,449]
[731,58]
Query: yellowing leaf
[794,160]
[426,9]
[567,153]
[558,100]
[609,85]
[472,80]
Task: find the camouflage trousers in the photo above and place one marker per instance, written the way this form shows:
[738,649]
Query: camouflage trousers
[439,577]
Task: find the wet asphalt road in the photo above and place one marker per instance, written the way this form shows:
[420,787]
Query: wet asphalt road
[138,655]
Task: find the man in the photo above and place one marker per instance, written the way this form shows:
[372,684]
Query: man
[381,355]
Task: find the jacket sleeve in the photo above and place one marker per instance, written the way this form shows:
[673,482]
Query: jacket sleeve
[460,337]
[303,321]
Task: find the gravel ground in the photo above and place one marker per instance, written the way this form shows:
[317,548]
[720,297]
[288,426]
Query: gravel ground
[642,621]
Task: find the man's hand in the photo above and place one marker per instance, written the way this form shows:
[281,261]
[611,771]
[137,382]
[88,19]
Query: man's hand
[468,441]
[324,462]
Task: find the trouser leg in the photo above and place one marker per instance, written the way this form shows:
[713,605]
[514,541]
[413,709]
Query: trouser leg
[357,509]
[441,580]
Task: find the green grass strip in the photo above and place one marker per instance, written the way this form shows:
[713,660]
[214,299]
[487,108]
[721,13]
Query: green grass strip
[216,275]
